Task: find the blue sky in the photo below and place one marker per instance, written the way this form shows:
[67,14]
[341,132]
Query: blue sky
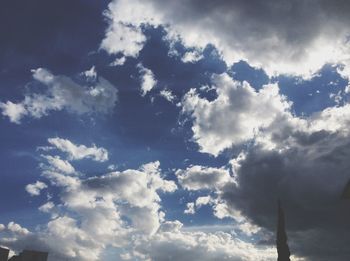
[140,130]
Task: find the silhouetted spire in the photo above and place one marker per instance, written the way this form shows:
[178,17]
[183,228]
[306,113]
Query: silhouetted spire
[281,241]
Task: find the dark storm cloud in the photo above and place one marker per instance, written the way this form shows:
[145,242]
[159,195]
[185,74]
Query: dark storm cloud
[309,180]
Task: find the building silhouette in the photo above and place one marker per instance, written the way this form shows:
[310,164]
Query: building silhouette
[25,255]
[4,254]
[281,241]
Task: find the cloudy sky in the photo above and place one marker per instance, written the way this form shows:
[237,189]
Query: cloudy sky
[168,130]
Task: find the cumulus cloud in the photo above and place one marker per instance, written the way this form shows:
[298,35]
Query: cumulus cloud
[91,213]
[77,152]
[302,161]
[192,56]
[171,242]
[240,114]
[120,209]
[199,177]
[90,74]
[179,245]
[292,37]
[235,116]
[56,163]
[62,93]
[14,111]
[124,34]
[35,188]
[168,95]
[147,79]
[190,208]
[118,61]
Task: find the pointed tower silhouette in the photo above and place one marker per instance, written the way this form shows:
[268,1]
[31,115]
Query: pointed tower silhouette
[281,241]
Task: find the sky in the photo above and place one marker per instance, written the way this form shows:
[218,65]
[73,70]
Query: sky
[168,130]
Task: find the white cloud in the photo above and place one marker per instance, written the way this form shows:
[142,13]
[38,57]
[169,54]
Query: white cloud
[35,188]
[123,38]
[56,163]
[17,229]
[122,209]
[288,37]
[201,201]
[192,56]
[15,111]
[147,79]
[190,208]
[199,177]
[168,95]
[124,34]
[179,245]
[235,116]
[91,75]
[62,93]
[241,114]
[248,228]
[66,241]
[92,213]
[47,207]
[118,61]
[77,152]
[300,160]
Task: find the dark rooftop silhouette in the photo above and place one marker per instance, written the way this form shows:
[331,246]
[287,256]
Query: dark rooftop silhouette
[4,254]
[25,255]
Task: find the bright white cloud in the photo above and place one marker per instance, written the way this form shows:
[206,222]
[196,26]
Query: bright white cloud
[192,56]
[111,209]
[47,207]
[118,61]
[62,93]
[35,188]
[56,163]
[147,79]
[17,229]
[168,95]
[201,201]
[179,245]
[15,111]
[123,38]
[190,208]
[235,116]
[91,74]
[77,152]
[124,34]
[267,40]
[199,177]
[122,209]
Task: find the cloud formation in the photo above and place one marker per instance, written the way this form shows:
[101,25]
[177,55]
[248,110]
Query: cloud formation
[147,79]
[198,177]
[35,188]
[119,209]
[61,93]
[237,114]
[94,212]
[291,37]
[76,152]
[300,160]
